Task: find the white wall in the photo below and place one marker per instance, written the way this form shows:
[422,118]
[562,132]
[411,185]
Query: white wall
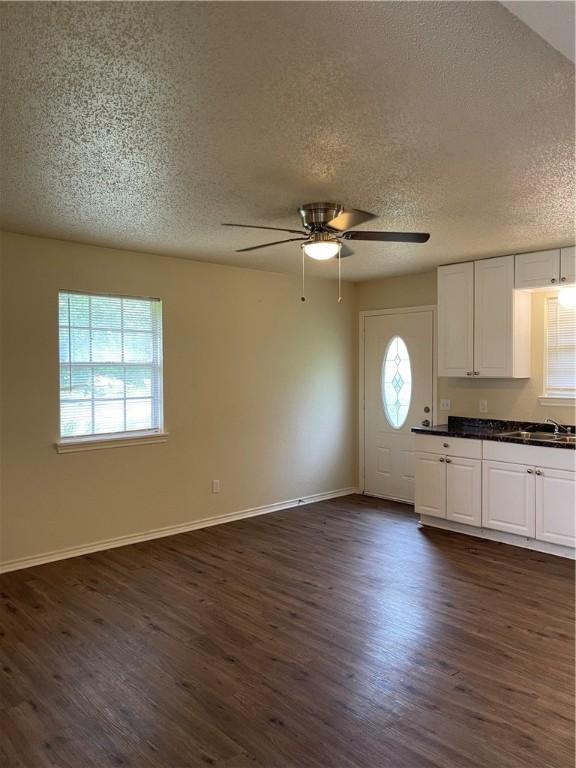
[260,392]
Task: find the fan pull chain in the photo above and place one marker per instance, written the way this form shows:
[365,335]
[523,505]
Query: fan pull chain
[303,297]
[339,275]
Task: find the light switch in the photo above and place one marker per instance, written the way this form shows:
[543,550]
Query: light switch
[444,405]
[215,486]
[483,406]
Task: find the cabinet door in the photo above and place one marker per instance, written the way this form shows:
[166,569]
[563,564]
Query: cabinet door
[508,502]
[556,506]
[537,270]
[568,265]
[456,320]
[464,490]
[430,485]
[494,317]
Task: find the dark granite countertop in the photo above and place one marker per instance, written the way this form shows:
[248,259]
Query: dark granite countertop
[492,429]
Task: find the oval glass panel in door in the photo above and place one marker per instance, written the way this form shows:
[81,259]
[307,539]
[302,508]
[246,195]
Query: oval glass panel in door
[396,382]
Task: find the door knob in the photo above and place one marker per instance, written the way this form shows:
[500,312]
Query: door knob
[529,471]
[562,279]
[448,461]
[553,280]
[426,409]
[538,472]
[442,459]
[468,373]
[426,422]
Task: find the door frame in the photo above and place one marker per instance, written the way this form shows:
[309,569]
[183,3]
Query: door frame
[363,314]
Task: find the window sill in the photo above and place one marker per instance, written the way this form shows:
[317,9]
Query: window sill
[561,401]
[73,445]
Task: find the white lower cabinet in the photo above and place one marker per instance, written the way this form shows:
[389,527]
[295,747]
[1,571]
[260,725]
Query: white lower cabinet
[508,494]
[556,506]
[528,491]
[449,487]
[430,485]
[464,490]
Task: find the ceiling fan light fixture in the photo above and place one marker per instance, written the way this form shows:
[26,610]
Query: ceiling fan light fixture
[322,250]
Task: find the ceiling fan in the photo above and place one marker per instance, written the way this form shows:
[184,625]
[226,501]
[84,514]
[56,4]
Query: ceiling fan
[327,227]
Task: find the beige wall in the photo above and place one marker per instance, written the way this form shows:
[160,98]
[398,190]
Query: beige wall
[405,291]
[507,398]
[260,392]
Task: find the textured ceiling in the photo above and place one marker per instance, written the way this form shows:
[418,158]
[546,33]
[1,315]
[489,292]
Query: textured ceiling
[145,125]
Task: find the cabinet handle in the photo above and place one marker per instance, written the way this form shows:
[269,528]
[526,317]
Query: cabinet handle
[448,461]
[476,373]
[529,471]
[553,280]
[562,279]
[468,373]
[442,459]
[538,472]
[445,445]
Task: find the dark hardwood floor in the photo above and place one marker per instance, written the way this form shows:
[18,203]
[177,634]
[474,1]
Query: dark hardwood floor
[336,635]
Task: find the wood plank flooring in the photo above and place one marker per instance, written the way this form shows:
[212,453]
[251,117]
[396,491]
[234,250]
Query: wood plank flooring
[335,635]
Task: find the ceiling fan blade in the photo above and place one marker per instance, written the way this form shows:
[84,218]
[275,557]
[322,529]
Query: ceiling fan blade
[388,237]
[345,251]
[350,218]
[276,229]
[266,245]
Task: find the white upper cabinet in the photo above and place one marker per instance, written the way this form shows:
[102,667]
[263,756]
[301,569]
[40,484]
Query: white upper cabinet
[456,320]
[545,269]
[501,321]
[537,270]
[568,265]
[483,323]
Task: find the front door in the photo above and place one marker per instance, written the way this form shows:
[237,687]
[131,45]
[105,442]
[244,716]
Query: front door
[398,394]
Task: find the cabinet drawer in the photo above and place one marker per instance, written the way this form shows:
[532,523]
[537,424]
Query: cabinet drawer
[449,446]
[531,455]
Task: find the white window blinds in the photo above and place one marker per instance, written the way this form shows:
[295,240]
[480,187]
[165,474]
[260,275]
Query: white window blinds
[560,352]
[110,365]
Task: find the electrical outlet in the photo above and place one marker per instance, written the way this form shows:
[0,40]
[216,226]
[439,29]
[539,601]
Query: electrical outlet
[444,405]
[483,406]
[215,486]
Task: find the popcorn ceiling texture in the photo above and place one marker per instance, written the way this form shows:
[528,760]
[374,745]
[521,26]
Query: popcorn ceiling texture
[145,125]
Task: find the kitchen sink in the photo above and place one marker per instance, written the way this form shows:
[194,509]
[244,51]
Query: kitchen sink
[549,437]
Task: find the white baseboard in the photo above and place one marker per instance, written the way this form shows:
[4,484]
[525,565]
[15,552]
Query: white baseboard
[500,536]
[171,530]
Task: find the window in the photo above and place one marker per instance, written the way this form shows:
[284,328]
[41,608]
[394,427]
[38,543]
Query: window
[110,366]
[560,350]
[396,382]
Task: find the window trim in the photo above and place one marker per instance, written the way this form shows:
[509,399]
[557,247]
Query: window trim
[111,440]
[101,440]
[551,398]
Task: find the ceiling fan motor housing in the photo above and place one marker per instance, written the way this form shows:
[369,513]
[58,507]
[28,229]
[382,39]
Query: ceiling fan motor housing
[315,216]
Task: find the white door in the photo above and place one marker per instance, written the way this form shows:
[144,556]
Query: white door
[568,264]
[556,506]
[508,502]
[493,316]
[398,386]
[537,270]
[430,485]
[464,490]
[456,320]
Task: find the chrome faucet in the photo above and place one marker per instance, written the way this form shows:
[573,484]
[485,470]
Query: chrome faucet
[557,427]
